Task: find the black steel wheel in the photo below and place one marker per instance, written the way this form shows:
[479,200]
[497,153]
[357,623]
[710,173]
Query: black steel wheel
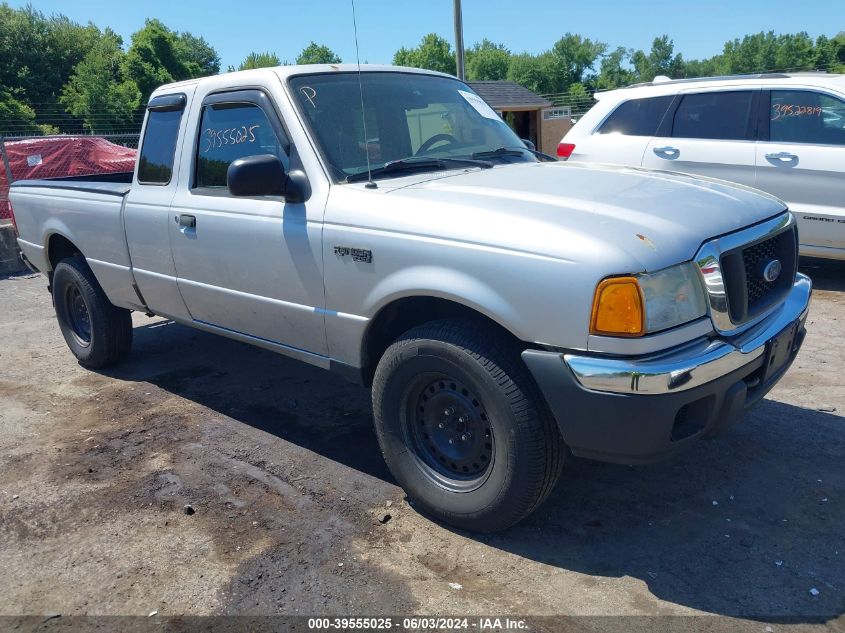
[462,426]
[77,315]
[98,333]
[450,432]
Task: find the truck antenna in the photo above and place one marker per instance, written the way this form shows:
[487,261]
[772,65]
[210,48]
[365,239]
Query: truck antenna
[370,184]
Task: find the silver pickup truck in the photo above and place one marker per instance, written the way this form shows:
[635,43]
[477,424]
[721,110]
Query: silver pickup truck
[388,225]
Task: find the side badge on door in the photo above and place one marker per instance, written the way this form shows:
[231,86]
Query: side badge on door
[362,255]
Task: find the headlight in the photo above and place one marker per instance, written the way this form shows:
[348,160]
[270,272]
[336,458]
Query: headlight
[672,296]
[642,304]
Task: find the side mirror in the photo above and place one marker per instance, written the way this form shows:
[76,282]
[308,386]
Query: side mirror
[529,144]
[264,175]
[260,175]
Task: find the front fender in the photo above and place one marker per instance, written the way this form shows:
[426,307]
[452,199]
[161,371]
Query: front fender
[450,284]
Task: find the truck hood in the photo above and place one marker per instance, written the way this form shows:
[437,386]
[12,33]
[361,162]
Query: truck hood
[659,218]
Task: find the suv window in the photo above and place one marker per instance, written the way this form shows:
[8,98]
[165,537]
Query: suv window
[713,115]
[155,163]
[637,117]
[803,116]
[229,131]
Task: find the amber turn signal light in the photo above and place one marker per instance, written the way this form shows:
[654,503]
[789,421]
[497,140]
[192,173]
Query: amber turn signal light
[618,308]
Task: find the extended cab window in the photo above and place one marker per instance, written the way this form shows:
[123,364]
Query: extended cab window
[155,163]
[637,117]
[229,131]
[713,115]
[803,116]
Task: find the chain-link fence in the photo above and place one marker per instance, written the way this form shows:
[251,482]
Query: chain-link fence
[25,157]
[576,104]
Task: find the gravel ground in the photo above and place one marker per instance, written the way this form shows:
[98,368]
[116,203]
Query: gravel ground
[292,510]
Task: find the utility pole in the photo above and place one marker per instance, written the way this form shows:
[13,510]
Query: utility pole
[459,40]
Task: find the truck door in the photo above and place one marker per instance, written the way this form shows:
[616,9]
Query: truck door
[147,208]
[247,266]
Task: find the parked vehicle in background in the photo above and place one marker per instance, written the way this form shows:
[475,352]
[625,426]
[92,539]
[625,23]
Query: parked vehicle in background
[782,133]
[501,308]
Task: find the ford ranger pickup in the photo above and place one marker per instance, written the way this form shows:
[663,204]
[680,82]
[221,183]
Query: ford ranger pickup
[386,224]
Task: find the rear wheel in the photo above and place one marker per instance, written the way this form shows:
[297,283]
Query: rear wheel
[98,333]
[462,426]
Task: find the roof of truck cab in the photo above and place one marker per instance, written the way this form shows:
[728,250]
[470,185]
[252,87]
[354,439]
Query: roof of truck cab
[283,72]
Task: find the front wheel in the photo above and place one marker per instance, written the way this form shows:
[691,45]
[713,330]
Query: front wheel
[462,426]
[98,333]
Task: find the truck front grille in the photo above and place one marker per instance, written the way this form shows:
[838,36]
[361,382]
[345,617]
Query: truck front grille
[749,292]
[749,272]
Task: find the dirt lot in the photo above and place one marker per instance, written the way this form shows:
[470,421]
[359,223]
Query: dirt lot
[282,468]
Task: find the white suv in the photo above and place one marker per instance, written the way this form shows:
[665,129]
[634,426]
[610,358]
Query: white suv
[784,134]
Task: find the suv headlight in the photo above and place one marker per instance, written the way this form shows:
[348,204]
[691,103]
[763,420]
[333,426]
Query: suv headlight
[642,304]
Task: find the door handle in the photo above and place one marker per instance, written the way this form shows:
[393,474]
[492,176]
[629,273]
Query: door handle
[668,152]
[783,157]
[187,222]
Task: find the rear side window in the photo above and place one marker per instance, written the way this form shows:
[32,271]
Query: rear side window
[803,116]
[713,115]
[155,163]
[229,131]
[638,117]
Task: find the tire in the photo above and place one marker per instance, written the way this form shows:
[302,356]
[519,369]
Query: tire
[98,333]
[452,380]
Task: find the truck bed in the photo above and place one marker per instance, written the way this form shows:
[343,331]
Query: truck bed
[86,211]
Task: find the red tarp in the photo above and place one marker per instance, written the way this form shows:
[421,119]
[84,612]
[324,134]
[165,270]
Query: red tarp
[53,157]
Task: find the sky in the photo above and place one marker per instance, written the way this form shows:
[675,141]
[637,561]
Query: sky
[285,27]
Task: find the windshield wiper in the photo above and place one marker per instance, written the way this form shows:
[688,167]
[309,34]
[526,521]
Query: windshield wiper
[417,164]
[502,151]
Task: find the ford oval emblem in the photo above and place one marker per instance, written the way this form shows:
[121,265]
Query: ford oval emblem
[772,270]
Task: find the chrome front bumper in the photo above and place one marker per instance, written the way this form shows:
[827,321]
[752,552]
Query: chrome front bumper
[639,410]
[691,365]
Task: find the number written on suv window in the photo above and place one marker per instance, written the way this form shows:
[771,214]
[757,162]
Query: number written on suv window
[803,116]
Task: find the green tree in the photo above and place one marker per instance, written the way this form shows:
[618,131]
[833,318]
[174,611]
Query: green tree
[763,52]
[15,116]
[200,58]
[836,48]
[614,71]
[541,73]
[576,55]
[487,61]
[795,52]
[99,92]
[258,60]
[703,67]
[38,56]
[317,54]
[158,55]
[660,60]
[433,53]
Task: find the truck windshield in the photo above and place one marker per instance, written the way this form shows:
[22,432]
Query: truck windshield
[406,116]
